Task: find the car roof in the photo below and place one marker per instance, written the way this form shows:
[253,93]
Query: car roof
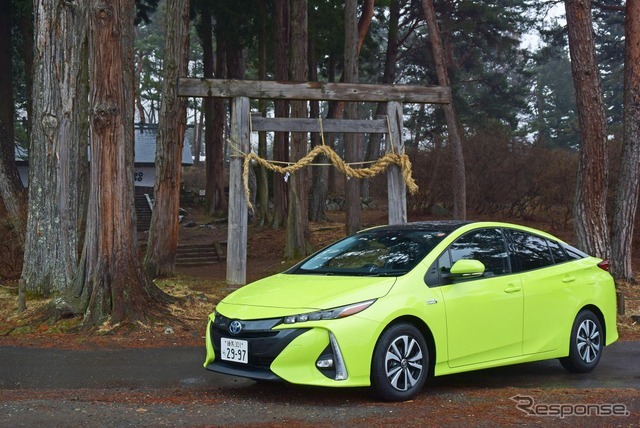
[438,225]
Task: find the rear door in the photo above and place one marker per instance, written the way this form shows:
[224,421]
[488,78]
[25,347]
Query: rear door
[548,276]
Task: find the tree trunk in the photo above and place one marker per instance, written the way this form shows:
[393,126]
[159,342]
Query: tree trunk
[364,22]
[58,147]
[319,186]
[281,140]
[263,178]
[110,282]
[141,113]
[453,134]
[195,143]
[352,142]
[27,44]
[11,190]
[6,70]
[215,200]
[590,211]
[629,179]
[298,237]
[163,233]
[388,77]
[12,193]
[216,177]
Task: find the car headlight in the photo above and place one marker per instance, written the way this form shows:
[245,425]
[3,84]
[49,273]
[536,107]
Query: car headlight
[330,314]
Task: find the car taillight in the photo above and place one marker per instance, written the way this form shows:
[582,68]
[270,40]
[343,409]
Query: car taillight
[604,265]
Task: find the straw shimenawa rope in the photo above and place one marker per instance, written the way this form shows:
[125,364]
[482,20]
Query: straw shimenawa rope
[379,166]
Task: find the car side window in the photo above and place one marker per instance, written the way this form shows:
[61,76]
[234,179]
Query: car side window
[557,252]
[532,251]
[486,246]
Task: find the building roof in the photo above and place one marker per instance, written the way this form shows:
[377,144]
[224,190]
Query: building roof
[145,151]
[145,148]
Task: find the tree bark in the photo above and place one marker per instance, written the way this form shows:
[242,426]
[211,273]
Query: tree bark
[281,141]
[163,233]
[590,205]
[626,203]
[453,134]
[110,282]
[353,142]
[58,147]
[298,237]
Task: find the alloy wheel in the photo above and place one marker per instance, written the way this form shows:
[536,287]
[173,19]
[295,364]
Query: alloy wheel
[588,341]
[404,363]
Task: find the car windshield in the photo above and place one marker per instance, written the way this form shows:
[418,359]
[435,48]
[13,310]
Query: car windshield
[373,253]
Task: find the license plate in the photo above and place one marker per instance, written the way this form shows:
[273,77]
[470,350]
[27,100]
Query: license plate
[234,350]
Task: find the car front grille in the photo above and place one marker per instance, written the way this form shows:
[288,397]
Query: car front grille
[265,344]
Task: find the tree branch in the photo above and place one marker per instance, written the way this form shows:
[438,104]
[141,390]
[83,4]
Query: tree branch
[605,6]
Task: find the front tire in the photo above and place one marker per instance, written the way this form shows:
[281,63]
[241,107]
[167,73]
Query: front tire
[400,363]
[587,342]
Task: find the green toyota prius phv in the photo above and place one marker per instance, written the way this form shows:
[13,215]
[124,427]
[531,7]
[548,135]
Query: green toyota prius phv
[390,306]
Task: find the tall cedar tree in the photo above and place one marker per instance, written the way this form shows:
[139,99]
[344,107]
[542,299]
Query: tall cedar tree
[163,233]
[590,207]
[263,177]
[629,179]
[298,236]
[388,77]
[58,147]
[281,140]
[110,280]
[215,199]
[352,142]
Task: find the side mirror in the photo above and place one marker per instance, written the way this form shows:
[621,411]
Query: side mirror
[466,269]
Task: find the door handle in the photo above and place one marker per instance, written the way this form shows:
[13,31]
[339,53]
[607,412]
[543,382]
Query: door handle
[512,288]
[568,279]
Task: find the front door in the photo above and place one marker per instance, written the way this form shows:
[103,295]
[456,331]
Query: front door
[484,315]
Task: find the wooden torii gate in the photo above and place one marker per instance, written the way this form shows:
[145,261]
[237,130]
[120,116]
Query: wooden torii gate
[241,91]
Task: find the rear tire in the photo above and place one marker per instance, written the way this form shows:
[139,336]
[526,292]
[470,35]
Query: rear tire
[400,363]
[587,342]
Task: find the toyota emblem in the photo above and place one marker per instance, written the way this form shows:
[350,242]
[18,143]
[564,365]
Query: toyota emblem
[235,327]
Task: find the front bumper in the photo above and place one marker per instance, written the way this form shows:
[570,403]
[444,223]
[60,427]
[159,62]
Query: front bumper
[264,342]
[290,353]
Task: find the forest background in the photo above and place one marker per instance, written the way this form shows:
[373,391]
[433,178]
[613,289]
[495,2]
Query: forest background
[543,131]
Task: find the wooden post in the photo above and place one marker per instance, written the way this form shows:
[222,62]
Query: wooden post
[238,210]
[396,187]
[620,302]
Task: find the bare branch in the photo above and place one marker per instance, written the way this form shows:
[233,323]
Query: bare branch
[605,6]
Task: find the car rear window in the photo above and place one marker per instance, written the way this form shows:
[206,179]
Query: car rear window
[574,253]
[532,251]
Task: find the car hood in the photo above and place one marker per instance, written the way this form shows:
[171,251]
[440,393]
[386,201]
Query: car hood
[287,294]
